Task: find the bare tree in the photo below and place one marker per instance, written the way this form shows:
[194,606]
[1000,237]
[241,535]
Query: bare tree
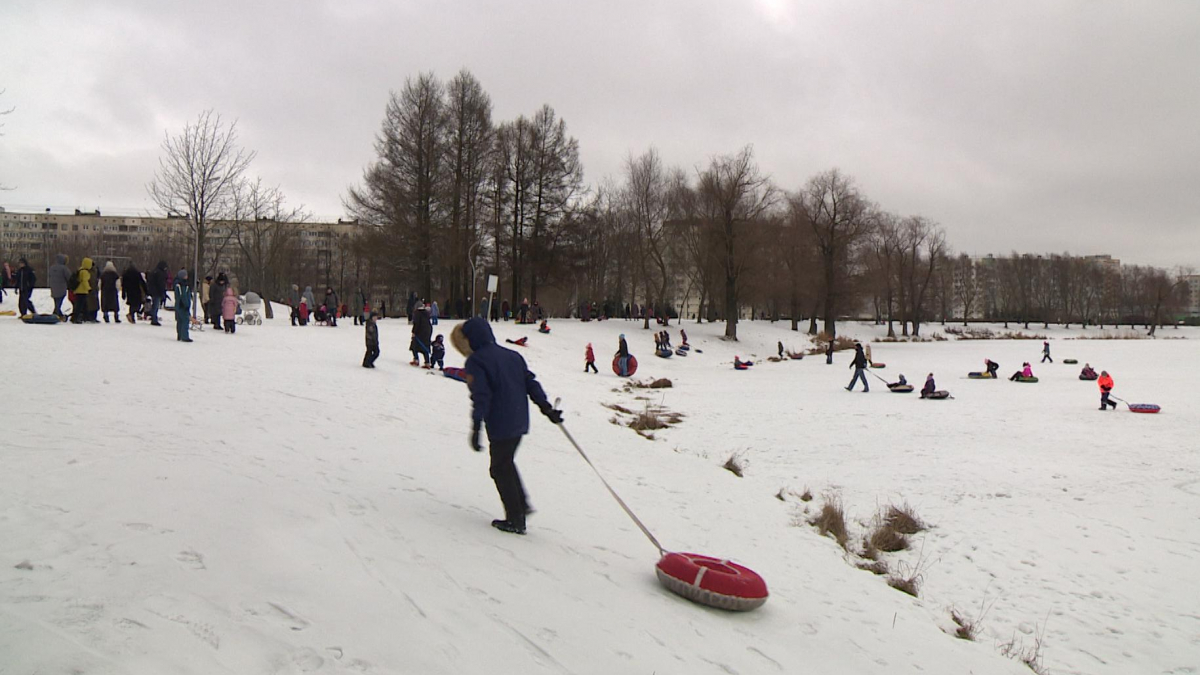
[267,234]
[733,195]
[197,173]
[966,286]
[837,213]
[646,194]
[469,143]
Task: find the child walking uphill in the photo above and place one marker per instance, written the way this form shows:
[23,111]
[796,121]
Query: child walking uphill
[372,341]
[500,383]
[590,360]
[229,307]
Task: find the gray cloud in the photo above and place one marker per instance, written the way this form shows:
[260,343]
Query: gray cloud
[1019,125]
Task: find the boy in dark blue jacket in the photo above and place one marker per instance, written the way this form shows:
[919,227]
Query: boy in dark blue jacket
[500,382]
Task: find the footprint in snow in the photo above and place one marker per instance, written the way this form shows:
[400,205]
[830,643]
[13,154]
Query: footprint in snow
[190,558]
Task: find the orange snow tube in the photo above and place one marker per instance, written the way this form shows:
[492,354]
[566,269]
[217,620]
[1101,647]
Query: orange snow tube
[712,581]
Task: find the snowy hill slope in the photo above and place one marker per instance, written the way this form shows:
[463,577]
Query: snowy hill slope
[260,503]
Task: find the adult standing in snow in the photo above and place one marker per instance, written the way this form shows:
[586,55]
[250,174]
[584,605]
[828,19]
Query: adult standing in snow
[433,313]
[216,293]
[309,298]
[82,286]
[5,279]
[1046,353]
[372,341]
[331,305]
[133,288]
[24,279]
[205,297]
[500,383]
[859,364]
[294,302]
[59,276]
[109,293]
[411,306]
[156,286]
[422,335]
[360,308]
[183,306]
[1106,387]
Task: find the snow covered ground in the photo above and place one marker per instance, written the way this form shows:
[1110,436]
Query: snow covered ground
[261,504]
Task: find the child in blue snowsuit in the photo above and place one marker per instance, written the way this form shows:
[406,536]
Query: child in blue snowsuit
[439,353]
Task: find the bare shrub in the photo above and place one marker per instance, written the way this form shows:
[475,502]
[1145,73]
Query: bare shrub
[660,383]
[736,465]
[903,519]
[648,420]
[806,496]
[821,342]
[1031,656]
[831,522]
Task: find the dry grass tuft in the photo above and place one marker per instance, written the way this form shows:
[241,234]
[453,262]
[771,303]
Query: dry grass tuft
[1030,656]
[821,343]
[910,585]
[660,383]
[967,629]
[831,522]
[619,408]
[806,496]
[648,420]
[878,567]
[885,538]
[736,465]
[903,519]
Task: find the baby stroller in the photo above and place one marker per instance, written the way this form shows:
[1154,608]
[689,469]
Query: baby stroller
[321,316]
[251,310]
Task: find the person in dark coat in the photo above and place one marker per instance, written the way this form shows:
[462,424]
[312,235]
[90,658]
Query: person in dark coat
[156,286]
[294,301]
[360,308]
[929,387]
[372,341]
[133,289]
[109,295]
[59,277]
[331,302]
[411,306]
[1046,353]
[183,306]
[500,385]
[216,293]
[422,335]
[859,364]
[24,279]
[992,367]
[439,353]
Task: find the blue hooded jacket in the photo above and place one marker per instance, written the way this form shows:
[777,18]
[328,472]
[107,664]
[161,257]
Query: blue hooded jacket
[499,381]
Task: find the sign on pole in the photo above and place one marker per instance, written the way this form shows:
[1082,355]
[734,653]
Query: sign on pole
[493,281]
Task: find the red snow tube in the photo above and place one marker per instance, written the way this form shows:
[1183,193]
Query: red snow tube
[632,365]
[712,581]
[1143,408]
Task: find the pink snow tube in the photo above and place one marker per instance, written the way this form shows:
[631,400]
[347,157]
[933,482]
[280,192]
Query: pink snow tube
[712,581]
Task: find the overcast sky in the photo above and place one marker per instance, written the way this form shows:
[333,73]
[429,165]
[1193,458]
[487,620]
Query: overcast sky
[1035,125]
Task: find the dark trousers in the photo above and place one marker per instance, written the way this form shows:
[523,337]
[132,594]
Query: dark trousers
[24,303]
[58,306]
[155,303]
[1046,357]
[508,481]
[215,313]
[369,358]
[860,374]
[231,327]
[592,366]
[1105,401]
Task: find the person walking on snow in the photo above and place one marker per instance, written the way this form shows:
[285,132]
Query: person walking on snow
[59,277]
[156,285]
[859,364]
[229,307]
[1046,353]
[183,306]
[422,335]
[500,383]
[1106,387]
[372,341]
[109,297]
[590,360]
[24,279]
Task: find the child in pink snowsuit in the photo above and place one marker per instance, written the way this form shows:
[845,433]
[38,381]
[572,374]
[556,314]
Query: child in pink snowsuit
[229,305]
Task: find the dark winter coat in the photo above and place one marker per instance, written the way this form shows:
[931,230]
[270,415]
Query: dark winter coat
[860,359]
[929,387]
[331,301]
[58,276]
[133,287]
[360,302]
[24,279]
[422,326]
[156,281]
[108,291]
[294,298]
[372,335]
[439,350]
[499,381]
[183,299]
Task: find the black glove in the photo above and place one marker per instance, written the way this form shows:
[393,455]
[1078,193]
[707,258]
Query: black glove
[555,416]
[475,440]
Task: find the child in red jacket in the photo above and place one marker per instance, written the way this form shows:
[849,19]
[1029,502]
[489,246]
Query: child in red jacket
[590,360]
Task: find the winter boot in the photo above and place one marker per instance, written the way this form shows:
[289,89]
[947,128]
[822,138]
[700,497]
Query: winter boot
[106,317]
[505,526]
